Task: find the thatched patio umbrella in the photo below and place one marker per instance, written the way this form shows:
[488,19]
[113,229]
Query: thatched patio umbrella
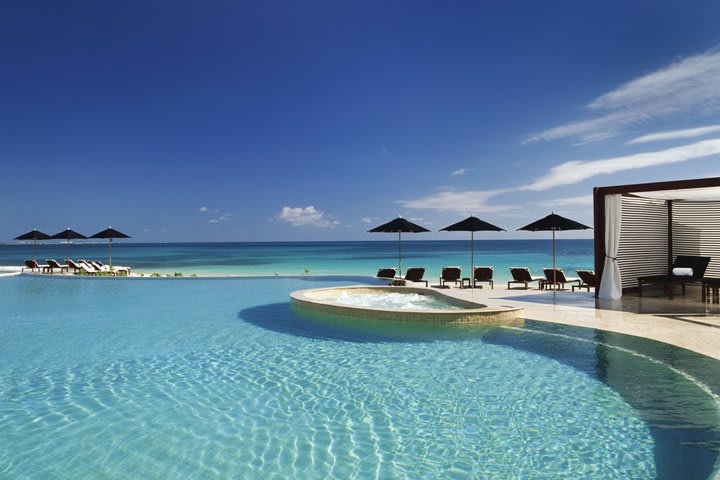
[399,226]
[34,235]
[472,224]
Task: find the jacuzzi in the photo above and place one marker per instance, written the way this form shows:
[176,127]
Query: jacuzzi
[407,304]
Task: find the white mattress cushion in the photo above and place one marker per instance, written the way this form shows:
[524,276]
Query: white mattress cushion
[682,272]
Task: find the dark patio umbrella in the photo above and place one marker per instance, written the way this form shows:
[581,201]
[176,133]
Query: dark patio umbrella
[68,235]
[399,225]
[472,224]
[34,235]
[554,223]
[110,233]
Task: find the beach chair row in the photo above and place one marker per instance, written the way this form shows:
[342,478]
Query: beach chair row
[553,278]
[79,267]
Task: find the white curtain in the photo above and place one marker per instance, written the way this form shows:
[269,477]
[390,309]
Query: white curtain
[611,284]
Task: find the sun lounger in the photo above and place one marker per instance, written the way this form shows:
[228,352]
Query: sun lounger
[92,265]
[450,274]
[587,280]
[97,267]
[88,265]
[523,275]
[685,269]
[116,269]
[100,268]
[557,278]
[415,275]
[53,265]
[386,273]
[484,274]
[86,268]
[32,265]
[71,264]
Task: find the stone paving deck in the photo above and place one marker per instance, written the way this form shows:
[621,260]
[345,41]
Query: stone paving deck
[683,321]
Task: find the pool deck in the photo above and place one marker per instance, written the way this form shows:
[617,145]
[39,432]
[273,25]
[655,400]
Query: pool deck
[683,321]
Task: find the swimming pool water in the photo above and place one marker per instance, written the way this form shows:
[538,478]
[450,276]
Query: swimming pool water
[209,378]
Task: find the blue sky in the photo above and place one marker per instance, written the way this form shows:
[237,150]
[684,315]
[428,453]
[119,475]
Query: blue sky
[224,121]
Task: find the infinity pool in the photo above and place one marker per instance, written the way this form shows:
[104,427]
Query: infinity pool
[208,378]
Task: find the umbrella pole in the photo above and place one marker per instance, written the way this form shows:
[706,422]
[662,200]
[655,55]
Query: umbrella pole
[472,260]
[399,254]
[68,248]
[554,270]
[35,249]
[110,243]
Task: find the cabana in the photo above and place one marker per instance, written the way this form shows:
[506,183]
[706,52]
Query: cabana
[640,230]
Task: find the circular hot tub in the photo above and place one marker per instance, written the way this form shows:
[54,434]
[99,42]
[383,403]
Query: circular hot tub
[401,304]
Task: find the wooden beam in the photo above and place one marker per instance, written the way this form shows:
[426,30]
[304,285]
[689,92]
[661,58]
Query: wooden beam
[658,186]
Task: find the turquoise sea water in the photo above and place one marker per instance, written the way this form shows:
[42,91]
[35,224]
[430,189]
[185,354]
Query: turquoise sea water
[319,258]
[220,378]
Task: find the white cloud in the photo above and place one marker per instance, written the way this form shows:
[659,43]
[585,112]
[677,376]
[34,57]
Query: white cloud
[299,216]
[567,173]
[674,134]
[221,218]
[203,209]
[368,219]
[459,201]
[688,86]
[568,201]
[459,171]
[576,171]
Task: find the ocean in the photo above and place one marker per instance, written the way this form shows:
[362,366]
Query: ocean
[314,258]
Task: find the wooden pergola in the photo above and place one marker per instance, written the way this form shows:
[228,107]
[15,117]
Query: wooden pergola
[667,192]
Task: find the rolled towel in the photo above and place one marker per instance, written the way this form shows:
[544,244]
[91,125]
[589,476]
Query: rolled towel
[682,272]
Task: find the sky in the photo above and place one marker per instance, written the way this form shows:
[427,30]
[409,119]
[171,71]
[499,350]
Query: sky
[318,120]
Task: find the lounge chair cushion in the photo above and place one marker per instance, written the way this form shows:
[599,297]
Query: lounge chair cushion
[682,271]
[696,263]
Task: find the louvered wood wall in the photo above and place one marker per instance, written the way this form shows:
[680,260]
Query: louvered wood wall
[696,231]
[643,248]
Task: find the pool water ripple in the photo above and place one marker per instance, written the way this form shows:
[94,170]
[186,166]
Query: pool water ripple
[219,410]
[234,399]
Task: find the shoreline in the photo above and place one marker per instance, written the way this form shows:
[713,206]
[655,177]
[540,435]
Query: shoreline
[318,258]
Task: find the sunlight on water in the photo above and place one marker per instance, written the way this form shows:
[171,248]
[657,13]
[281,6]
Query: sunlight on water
[219,379]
